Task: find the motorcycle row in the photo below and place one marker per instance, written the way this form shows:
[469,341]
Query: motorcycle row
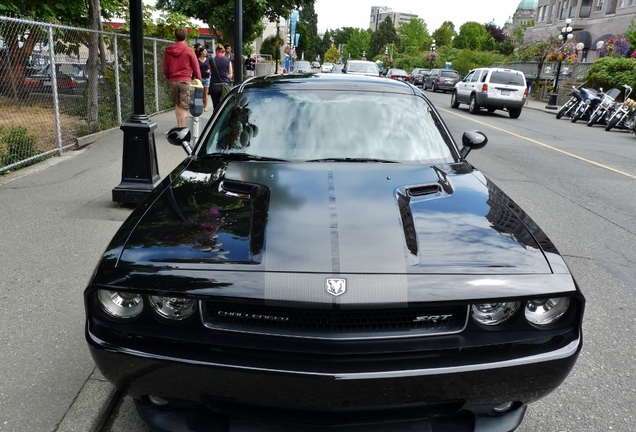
[604,108]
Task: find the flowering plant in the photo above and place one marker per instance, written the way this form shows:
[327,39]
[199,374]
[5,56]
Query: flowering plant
[277,41]
[565,53]
[614,47]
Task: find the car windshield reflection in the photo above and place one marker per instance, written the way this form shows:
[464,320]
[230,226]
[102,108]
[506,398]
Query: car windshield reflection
[329,125]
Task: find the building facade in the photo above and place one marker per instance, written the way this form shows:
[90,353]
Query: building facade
[525,14]
[380,13]
[592,21]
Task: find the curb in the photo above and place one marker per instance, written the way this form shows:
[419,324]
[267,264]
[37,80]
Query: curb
[92,406]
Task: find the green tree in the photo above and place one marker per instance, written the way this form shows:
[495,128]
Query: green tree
[608,72]
[537,51]
[473,35]
[332,55]
[307,26]
[326,43]
[341,36]
[358,44]
[219,14]
[630,33]
[444,34]
[386,34]
[413,36]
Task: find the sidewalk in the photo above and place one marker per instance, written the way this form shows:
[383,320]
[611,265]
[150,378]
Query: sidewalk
[57,218]
[540,106]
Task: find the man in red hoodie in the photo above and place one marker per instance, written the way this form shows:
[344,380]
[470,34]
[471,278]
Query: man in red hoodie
[180,64]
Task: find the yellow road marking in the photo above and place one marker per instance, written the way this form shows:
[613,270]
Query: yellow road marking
[572,155]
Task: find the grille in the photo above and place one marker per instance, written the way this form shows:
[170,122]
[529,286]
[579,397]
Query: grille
[298,321]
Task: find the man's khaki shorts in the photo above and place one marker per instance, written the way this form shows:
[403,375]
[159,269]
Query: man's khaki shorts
[180,93]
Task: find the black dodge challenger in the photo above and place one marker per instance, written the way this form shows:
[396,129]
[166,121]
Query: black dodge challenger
[326,257]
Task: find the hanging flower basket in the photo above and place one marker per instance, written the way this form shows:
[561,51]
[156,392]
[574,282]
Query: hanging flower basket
[565,53]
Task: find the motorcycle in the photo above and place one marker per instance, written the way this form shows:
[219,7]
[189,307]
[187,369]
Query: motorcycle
[590,100]
[604,109]
[624,115]
[575,98]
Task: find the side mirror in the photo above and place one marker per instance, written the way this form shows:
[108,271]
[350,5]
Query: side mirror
[472,140]
[180,137]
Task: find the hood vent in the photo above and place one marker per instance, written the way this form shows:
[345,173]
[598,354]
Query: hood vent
[243,190]
[423,190]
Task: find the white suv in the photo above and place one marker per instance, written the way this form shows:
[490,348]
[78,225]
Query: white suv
[493,89]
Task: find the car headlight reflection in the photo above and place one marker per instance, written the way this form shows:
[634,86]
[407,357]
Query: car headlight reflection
[173,308]
[546,311]
[120,304]
[491,314]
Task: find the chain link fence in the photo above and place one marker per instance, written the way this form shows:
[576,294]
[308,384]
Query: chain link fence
[59,83]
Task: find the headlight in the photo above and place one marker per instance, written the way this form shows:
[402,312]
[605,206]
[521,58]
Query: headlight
[491,314]
[173,308]
[120,304]
[546,311]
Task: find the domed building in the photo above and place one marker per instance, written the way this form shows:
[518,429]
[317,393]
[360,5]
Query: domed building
[525,13]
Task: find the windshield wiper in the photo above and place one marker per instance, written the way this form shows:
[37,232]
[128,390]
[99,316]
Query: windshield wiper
[352,160]
[240,157]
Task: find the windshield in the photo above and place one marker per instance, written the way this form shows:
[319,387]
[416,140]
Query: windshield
[312,125]
[362,68]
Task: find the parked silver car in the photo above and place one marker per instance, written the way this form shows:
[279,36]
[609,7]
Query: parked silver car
[418,75]
[441,79]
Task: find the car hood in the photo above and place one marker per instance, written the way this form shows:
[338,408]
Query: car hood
[331,218]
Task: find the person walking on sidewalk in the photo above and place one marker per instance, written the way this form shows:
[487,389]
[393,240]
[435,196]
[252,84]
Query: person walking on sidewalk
[180,64]
[221,73]
[204,65]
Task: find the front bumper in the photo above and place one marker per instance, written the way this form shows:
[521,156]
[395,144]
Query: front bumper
[180,416]
[286,393]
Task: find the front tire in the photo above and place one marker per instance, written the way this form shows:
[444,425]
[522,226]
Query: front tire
[434,88]
[594,118]
[612,123]
[563,110]
[473,107]
[454,101]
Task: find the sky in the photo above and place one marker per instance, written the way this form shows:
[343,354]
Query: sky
[334,14]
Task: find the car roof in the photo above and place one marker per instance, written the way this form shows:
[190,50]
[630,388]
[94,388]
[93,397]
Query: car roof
[360,61]
[327,82]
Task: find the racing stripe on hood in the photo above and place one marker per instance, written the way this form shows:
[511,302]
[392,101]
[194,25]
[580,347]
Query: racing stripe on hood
[327,218]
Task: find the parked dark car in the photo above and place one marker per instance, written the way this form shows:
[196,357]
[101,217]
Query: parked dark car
[441,79]
[376,276]
[72,78]
[398,74]
[417,76]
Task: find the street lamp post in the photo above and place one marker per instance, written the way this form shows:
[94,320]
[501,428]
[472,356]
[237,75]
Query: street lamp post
[566,34]
[432,55]
[277,47]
